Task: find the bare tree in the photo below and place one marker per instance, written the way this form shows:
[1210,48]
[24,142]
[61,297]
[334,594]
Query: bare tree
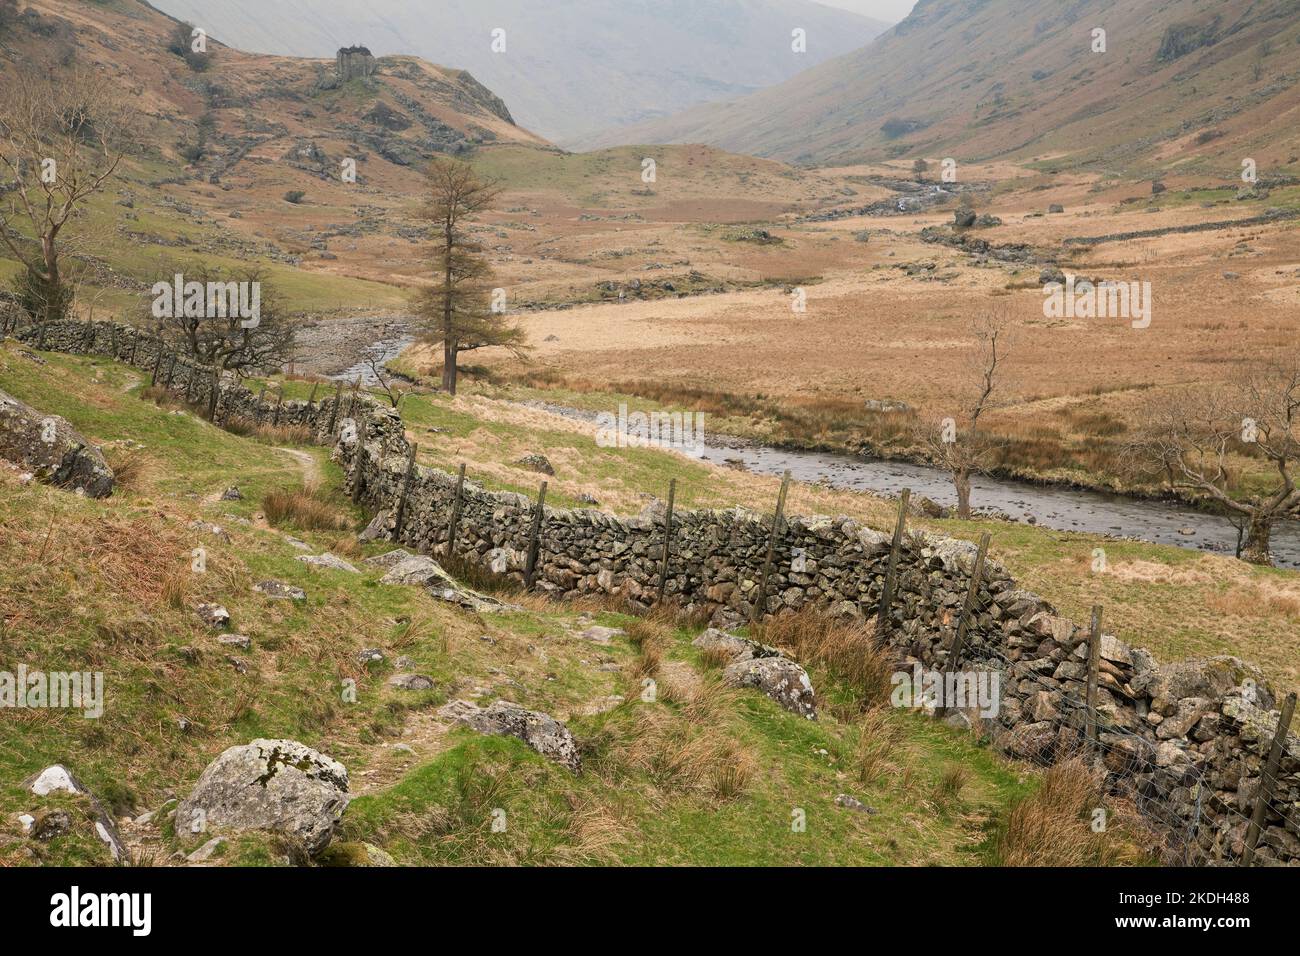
[955,439]
[385,379]
[218,335]
[454,311]
[1200,438]
[63,135]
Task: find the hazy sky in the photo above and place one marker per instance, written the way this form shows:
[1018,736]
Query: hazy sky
[889,10]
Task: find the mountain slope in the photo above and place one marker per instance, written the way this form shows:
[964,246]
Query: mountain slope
[984,78]
[568,69]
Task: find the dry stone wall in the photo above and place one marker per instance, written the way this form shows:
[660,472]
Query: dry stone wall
[1185,741]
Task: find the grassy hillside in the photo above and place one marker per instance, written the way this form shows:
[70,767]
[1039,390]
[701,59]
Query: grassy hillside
[1180,83]
[702,775]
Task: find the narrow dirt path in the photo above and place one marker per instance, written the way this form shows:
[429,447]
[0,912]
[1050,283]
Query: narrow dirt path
[311,473]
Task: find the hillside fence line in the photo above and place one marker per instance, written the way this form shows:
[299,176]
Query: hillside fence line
[1192,744]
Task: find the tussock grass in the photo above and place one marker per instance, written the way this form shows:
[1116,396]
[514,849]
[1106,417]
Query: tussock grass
[877,737]
[1053,826]
[307,509]
[845,648]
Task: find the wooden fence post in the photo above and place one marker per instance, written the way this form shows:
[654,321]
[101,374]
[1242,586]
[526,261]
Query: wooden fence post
[334,412]
[157,364]
[535,538]
[760,602]
[358,462]
[891,571]
[406,490]
[1094,666]
[311,399]
[972,592]
[1267,780]
[455,511]
[214,393]
[171,372]
[668,540]
[279,402]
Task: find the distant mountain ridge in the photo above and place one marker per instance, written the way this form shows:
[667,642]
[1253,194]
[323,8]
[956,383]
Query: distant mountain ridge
[990,78]
[568,69]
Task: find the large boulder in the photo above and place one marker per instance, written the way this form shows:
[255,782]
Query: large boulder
[277,785]
[51,449]
[542,732]
[780,679]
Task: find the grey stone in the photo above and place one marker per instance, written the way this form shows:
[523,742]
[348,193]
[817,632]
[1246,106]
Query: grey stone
[780,679]
[276,785]
[543,733]
[51,449]
[279,591]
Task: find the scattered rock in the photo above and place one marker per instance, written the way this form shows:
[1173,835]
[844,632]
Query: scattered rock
[205,852]
[371,655]
[240,641]
[735,647]
[543,733]
[276,785]
[213,615]
[602,635]
[327,560]
[279,591]
[411,682]
[232,494]
[535,462]
[853,803]
[779,678]
[388,558]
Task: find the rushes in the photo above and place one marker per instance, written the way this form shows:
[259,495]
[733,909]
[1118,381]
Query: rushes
[846,648]
[304,508]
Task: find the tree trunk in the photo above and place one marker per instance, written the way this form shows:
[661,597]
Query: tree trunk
[449,366]
[961,481]
[1258,531]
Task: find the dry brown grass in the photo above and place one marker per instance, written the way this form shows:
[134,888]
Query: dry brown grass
[846,648]
[1052,826]
[878,737]
[948,788]
[307,509]
[696,748]
[133,469]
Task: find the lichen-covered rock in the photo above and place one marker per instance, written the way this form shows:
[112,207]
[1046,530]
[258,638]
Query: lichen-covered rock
[780,679]
[279,591]
[327,560]
[542,732]
[277,785]
[51,449]
[735,647]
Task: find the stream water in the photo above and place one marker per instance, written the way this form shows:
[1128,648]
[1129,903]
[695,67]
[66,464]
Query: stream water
[1049,506]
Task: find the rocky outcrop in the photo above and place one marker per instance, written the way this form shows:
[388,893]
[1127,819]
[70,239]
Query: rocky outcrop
[780,679]
[542,732]
[353,63]
[275,785]
[51,449]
